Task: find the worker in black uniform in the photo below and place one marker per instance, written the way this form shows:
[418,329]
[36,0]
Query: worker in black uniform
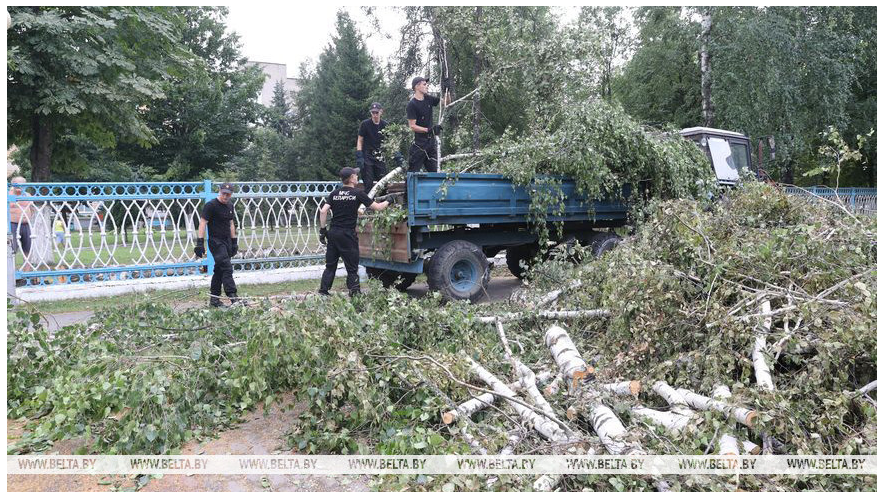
[419,114]
[341,239]
[369,158]
[218,216]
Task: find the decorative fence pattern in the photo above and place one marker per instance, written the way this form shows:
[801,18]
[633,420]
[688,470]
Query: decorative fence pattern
[857,200]
[81,232]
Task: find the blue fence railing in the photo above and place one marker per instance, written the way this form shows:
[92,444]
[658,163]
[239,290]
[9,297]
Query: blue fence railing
[65,233]
[857,200]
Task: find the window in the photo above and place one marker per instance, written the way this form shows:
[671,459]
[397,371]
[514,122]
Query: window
[723,160]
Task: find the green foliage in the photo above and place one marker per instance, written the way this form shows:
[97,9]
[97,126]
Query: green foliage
[332,102]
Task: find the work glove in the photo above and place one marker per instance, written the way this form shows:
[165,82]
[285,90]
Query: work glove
[234,247]
[199,250]
[359,159]
[436,130]
[391,198]
[322,236]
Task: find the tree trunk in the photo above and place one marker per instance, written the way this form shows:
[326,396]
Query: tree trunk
[706,70]
[41,149]
[567,357]
[742,415]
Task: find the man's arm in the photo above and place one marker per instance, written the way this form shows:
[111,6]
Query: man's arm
[418,129]
[322,214]
[202,224]
[379,205]
[360,144]
[232,229]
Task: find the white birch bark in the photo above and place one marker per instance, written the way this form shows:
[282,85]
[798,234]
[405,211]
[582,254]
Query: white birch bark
[759,362]
[742,415]
[546,428]
[676,401]
[751,447]
[728,445]
[530,385]
[721,392]
[482,401]
[567,356]
[611,432]
[554,386]
[554,295]
[625,388]
[673,422]
[547,314]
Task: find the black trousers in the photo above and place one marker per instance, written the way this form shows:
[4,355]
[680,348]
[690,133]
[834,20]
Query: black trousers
[373,171]
[21,232]
[220,250]
[423,153]
[342,243]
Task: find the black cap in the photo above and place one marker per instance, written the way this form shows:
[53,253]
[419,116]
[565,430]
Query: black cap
[348,171]
[227,187]
[418,80]
[375,106]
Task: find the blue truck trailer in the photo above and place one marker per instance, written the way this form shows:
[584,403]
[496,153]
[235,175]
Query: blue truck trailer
[455,222]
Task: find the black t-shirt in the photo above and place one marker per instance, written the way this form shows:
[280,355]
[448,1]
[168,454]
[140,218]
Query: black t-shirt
[344,203]
[421,111]
[218,216]
[372,134]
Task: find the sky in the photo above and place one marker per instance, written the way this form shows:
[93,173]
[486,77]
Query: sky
[292,34]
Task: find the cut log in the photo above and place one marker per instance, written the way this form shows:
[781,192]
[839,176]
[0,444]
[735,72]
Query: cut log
[624,388]
[611,432]
[482,401]
[677,403]
[673,422]
[759,362]
[547,428]
[554,295]
[721,392]
[546,314]
[546,483]
[751,447]
[867,388]
[742,415]
[531,387]
[728,445]
[567,357]
[554,386]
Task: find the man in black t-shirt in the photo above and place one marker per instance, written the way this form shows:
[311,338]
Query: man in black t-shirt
[341,239]
[218,215]
[369,156]
[419,114]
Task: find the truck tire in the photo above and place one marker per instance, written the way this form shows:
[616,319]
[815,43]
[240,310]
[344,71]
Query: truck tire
[518,255]
[602,242]
[459,270]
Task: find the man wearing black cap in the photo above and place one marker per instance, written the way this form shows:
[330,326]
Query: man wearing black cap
[419,114]
[341,239]
[369,147]
[219,215]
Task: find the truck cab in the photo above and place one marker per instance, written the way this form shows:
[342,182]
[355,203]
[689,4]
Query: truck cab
[729,152]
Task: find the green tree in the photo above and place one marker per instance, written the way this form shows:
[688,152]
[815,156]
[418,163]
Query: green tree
[84,71]
[278,115]
[209,109]
[661,83]
[332,102]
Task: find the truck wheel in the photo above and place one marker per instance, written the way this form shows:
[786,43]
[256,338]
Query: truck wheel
[519,255]
[459,271]
[602,242]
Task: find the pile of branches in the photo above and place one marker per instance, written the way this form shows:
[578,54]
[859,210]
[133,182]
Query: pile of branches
[748,325]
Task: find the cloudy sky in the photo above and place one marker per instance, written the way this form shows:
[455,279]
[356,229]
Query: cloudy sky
[291,34]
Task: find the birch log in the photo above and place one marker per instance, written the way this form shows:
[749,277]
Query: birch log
[548,429]
[611,432]
[567,357]
[676,401]
[530,385]
[553,387]
[554,295]
[728,445]
[381,183]
[673,422]
[546,314]
[721,392]
[759,362]
[480,402]
[742,415]
[751,447]
[624,388]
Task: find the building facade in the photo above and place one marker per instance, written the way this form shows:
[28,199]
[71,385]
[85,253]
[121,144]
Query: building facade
[275,73]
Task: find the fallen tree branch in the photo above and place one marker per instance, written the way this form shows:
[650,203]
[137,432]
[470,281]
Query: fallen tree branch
[547,314]
[742,415]
[762,371]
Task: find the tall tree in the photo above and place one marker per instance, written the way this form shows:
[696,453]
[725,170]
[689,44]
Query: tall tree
[613,32]
[333,100]
[278,113]
[706,68]
[661,83]
[88,71]
[209,109]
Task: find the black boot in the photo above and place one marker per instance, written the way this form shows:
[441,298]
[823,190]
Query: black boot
[215,302]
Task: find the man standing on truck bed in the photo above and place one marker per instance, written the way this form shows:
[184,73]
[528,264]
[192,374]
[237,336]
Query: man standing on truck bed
[218,216]
[369,147]
[419,114]
[341,239]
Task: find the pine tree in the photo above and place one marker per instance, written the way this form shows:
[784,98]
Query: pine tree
[279,113]
[333,101]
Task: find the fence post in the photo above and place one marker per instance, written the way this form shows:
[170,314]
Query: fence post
[208,195]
